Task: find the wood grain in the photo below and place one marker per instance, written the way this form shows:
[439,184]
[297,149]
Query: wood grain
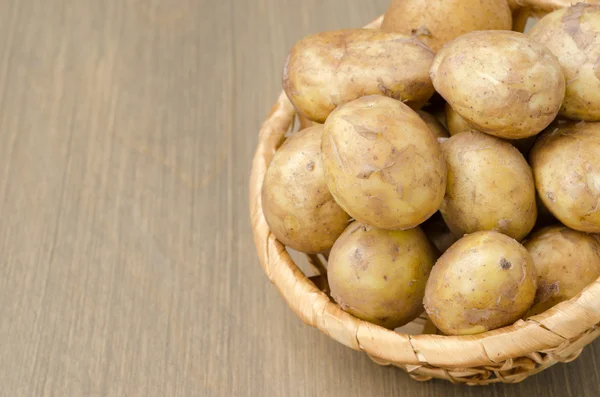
[127,266]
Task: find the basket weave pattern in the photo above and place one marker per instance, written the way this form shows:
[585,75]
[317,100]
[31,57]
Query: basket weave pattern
[509,354]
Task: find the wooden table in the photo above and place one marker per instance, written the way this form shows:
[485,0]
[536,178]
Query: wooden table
[127,264]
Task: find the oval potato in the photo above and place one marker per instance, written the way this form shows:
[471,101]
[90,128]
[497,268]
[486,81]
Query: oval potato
[379,275]
[566,166]
[484,281]
[573,35]
[490,186]
[566,261]
[438,22]
[328,69]
[297,205]
[502,83]
[382,164]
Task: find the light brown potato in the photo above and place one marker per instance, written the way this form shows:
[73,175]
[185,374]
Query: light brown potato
[566,166]
[328,69]
[490,186]
[484,281]
[502,83]
[297,205]
[434,125]
[573,35]
[566,261]
[380,275]
[382,164]
[456,125]
[438,22]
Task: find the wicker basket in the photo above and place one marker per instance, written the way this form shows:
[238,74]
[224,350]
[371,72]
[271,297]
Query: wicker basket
[509,354]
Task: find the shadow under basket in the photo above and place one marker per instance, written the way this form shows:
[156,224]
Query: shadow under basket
[508,354]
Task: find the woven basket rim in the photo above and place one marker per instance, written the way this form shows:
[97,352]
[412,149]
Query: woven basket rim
[547,331]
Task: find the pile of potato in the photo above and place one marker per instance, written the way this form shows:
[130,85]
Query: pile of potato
[480,209]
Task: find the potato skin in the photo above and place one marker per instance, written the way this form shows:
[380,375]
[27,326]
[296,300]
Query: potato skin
[306,122]
[433,124]
[502,83]
[490,186]
[456,124]
[484,281]
[573,35]
[382,164]
[328,69]
[438,22]
[297,205]
[566,261]
[380,275]
[566,166]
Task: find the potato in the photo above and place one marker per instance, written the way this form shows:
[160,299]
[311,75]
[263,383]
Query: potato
[502,83]
[566,167]
[456,125]
[573,35]
[484,281]
[297,205]
[434,125]
[566,261]
[438,22]
[331,68]
[382,164]
[380,275]
[490,186]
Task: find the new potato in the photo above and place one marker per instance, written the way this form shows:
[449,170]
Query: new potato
[328,69]
[456,125]
[297,205]
[484,281]
[566,261]
[566,166]
[380,275]
[502,83]
[490,186]
[382,163]
[573,35]
[438,22]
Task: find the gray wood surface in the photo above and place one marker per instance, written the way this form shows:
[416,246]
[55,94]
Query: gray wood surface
[127,266]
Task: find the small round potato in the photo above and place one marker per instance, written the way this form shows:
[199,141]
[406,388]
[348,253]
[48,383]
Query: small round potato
[380,275]
[484,281]
[566,166]
[490,186]
[328,69]
[297,205]
[566,261]
[382,164]
[502,83]
[573,35]
[437,22]
[434,125]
